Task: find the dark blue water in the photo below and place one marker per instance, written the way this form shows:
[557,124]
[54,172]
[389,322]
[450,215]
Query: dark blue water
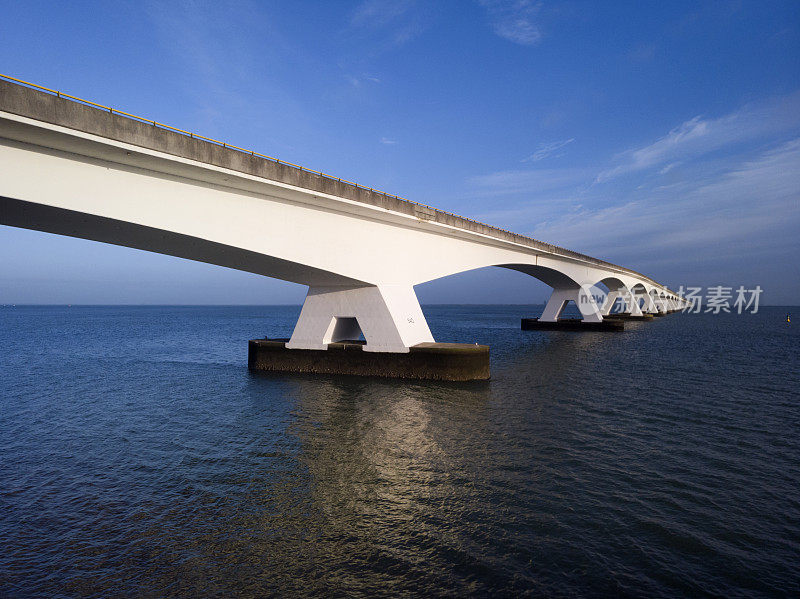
[138,457]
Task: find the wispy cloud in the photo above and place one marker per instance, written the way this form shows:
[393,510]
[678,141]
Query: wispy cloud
[358,81]
[722,194]
[676,141]
[699,136]
[198,36]
[514,20]
[751,206]
[529,182]
[372,30]
[642,53]
[229,70]
[399,21]
[526,198]
[544,150]
[373,14]
[388,142]
[668,168]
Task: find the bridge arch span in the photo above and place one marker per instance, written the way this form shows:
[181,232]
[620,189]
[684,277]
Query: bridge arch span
[618,290]
[549,275]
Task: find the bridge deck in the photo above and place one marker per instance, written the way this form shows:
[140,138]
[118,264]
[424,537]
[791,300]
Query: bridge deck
[52,107]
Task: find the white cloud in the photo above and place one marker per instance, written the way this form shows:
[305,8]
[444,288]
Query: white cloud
[514,20]
[545,150]
[713,201]
[388,142]
[752,205]
[669,145]
[377,13]
[543,194]
[699,136]
[230,70]
[668,168]
[395,21]
[728,213]
[529,182]
[359,81]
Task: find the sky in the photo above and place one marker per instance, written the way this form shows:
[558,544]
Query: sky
[661,136]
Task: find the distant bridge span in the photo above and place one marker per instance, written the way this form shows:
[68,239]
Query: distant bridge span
[86,171]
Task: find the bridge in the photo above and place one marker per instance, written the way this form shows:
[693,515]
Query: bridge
[77,168]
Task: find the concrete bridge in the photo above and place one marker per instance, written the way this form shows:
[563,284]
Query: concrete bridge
[75,168]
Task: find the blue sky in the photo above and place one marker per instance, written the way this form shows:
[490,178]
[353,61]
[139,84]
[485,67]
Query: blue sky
[663,136]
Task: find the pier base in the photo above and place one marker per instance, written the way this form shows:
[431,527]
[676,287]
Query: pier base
[628,316]
[571,324]
[433,361]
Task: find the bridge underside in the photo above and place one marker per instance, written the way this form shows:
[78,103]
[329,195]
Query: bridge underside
[83,225]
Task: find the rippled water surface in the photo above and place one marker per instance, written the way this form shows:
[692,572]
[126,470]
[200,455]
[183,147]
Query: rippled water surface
[138,457]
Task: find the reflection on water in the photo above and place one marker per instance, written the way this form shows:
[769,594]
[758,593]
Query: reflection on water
[662,461]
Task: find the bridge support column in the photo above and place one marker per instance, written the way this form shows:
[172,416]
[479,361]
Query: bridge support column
[592,318]
[632,303]
[398,344]
[629,299]
[389,316]
[649,305]
[631,311]
[590,312]
[608,304]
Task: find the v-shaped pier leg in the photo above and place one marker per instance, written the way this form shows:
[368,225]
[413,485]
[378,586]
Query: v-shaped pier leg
[389,316]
